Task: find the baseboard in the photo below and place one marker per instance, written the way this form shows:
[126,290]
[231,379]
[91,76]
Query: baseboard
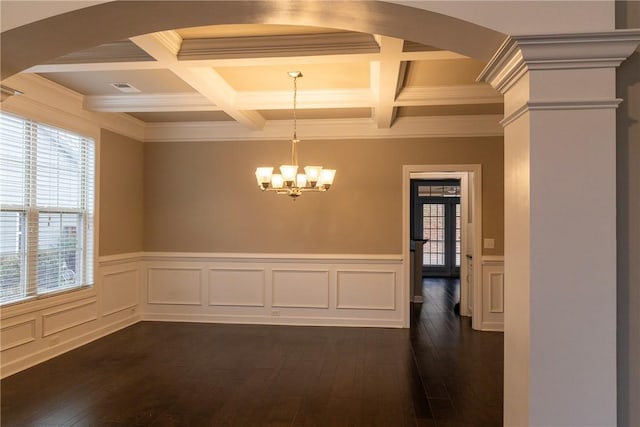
[267,320]
[65,346]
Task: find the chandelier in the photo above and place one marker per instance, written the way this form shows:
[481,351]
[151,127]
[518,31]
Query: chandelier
[289,181]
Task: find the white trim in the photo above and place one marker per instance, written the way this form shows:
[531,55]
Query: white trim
[271,257]
[106,260]
[479,93]
[557,51]
[358,322]
[149,102]
[586,104]
[492,258]
[329,129]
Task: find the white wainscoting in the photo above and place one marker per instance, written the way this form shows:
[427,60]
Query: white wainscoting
[174,285]
[37,330]
[284,289]
[492,293]
[242,287]
[374,290]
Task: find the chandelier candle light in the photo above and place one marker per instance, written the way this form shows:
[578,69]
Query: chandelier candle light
[289,181]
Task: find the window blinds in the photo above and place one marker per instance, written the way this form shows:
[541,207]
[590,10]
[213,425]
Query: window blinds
[47,204]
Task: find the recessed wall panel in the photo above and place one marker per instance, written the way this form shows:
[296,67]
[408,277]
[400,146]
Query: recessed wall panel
[120,291]
[180,286]
[496,287]
[300,288]
[236,287]
[68,317]
[374,290]
[17,333]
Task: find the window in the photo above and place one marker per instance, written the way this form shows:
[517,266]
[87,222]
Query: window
[46,209]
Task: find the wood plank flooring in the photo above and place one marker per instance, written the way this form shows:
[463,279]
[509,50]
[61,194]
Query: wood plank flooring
[438,373]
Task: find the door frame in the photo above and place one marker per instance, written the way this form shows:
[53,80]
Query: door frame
[470,176]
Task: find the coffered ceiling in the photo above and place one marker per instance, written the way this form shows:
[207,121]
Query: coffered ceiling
[236,75]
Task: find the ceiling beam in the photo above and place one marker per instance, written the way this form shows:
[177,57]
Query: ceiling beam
[164,48]
[242,62]
[385,75]
[478,93]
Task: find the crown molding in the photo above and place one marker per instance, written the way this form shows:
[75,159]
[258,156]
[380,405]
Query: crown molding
[57,105]
[519,54]
[330,129]
[170,39]
[279,45]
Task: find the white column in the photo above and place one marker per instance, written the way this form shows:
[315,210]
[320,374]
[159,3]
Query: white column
[560,226]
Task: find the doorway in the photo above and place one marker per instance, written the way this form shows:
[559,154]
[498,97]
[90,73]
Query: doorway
[469,201]
[436,220]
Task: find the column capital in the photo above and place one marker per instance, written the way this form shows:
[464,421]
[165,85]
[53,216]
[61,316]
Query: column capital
[520,54]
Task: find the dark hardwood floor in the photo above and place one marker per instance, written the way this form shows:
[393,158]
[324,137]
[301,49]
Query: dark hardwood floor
[438,373]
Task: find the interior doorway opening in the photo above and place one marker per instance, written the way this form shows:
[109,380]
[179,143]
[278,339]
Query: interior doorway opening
[418,203]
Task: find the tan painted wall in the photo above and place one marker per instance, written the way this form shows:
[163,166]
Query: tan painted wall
[121,194]
[202,196]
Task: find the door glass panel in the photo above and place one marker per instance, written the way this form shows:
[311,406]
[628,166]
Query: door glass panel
[433,230]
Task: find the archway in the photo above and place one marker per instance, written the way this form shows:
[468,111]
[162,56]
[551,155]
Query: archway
[42,40]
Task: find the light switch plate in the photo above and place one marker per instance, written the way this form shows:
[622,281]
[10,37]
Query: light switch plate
[489,243]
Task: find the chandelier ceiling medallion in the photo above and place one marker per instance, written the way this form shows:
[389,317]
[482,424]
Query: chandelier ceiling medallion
[289,181]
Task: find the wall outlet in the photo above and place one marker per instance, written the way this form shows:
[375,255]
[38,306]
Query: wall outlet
[489,243]
[275,312]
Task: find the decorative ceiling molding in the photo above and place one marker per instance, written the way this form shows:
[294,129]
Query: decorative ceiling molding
[479,93]
[120,51]
[301,58]
[405,127]
[203,79]
[281,100]
[59,106]
[149,103]
[278,46]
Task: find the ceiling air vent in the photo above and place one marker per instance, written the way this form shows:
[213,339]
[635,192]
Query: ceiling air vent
[125,87]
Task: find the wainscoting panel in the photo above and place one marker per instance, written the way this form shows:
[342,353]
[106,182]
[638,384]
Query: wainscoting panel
[174,285]
[120,290]
[496,292]
[37,330]
[18,333]
[237,287]
[274,289]
[300,288]
[492,294]
[374,290]
[60,319]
